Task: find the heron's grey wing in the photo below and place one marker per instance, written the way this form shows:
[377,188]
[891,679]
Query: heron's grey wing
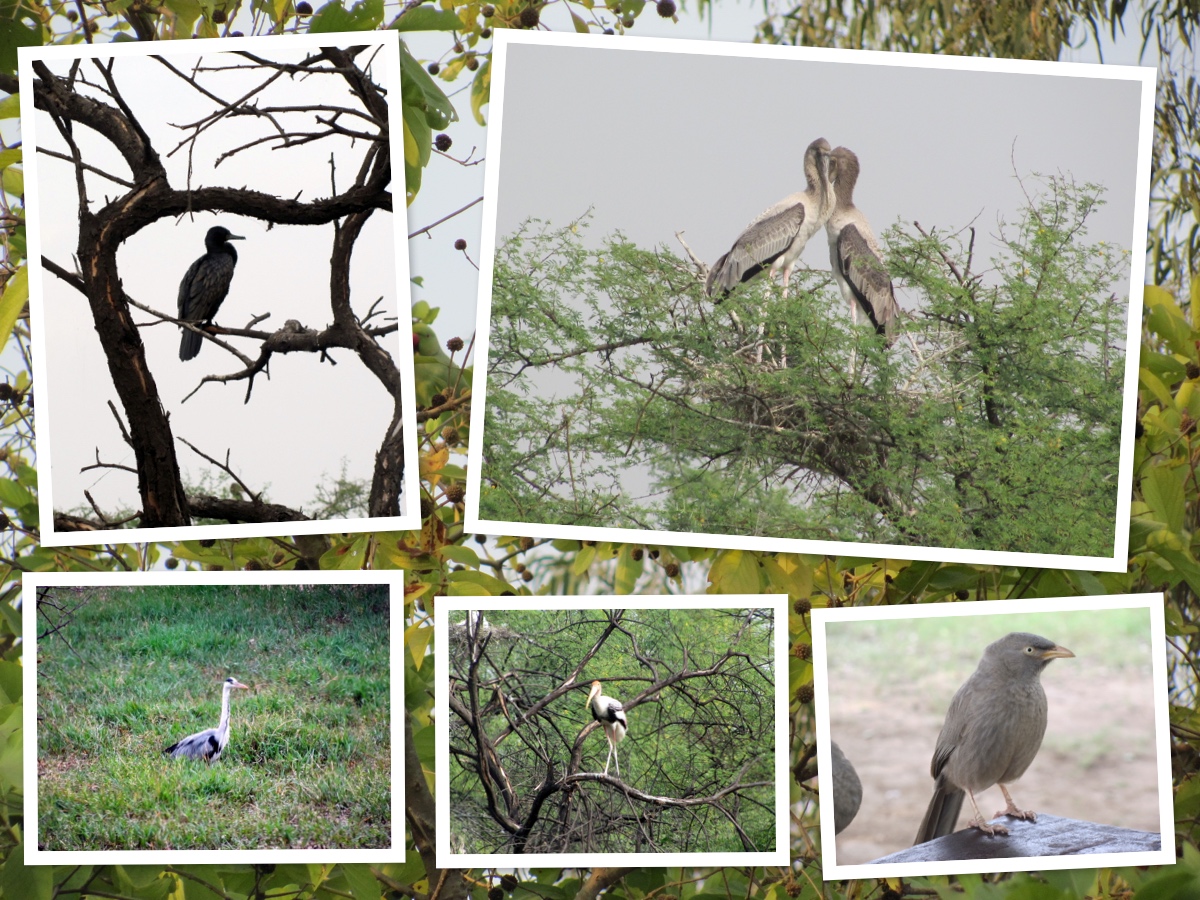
[763,240]
[195,746]
[863,268]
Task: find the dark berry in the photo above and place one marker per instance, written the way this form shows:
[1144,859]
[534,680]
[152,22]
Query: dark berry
[454,344]
[218,16]
[666,8]
[433,68]
[442,142]
[529,17]
[304,8]
[802,606]
[456,493]
[526,543]
[460,244]
[488,11]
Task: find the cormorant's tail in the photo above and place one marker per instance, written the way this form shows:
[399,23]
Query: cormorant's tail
[189,345]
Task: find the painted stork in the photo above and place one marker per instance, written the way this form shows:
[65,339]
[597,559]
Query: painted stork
[205,285]
[609,713]
[208,744]
[854,254]
[778,235]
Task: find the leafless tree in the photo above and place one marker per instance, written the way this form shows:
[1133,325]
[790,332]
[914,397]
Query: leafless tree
[696,767]
[89,95]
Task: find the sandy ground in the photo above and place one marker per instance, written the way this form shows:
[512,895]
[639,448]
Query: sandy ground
[1097,761]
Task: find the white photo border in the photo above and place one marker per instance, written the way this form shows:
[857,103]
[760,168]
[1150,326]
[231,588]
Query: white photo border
[1146,76]
[1152,602]
[445,857]
[410,516]
[35,856]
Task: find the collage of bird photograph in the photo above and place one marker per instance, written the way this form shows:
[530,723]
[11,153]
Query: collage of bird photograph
[144,745]
[197,336]
[893,353]
[723,476]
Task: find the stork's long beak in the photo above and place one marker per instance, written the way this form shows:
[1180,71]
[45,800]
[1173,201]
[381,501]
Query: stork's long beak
[594,691]
[1057,652]
[238,684]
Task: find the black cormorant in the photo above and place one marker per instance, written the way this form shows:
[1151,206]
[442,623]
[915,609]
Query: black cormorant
[205,285]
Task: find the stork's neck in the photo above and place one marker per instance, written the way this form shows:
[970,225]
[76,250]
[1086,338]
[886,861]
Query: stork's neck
[843,189]
[812,176]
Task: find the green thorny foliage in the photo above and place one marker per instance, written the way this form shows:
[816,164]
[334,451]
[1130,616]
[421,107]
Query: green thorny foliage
[993,424]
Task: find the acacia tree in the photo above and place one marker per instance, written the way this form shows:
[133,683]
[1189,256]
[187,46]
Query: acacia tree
[346,111]
[999,405]
[696,769]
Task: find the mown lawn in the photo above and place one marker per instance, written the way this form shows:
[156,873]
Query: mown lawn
[134,669]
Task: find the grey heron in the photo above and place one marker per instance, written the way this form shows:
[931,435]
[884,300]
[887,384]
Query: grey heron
[778,234]
[209,743]
[854,254]
[611,715]
[205,285]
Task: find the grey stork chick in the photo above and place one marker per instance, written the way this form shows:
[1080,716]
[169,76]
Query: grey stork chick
[205,285]
[611,715]
[854,254]
[777,236]
[209,743]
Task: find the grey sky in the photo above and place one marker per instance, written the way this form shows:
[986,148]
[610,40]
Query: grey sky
[309,416]
[451,282]
[702,143]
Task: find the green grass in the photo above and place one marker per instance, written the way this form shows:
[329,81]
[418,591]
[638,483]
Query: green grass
[309,757]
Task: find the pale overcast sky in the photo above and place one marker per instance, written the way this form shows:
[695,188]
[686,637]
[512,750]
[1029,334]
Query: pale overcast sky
[309,416]
[704,143]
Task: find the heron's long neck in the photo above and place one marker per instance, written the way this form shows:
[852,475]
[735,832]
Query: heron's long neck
[224,723]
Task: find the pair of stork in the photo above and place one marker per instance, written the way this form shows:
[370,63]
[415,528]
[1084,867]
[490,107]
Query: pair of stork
[778,235]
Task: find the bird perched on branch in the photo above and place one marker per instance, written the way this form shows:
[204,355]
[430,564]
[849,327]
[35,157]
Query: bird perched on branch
[992,732]
[205,285]
[854,254]
[208,744]
[778,234]
[611,715]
